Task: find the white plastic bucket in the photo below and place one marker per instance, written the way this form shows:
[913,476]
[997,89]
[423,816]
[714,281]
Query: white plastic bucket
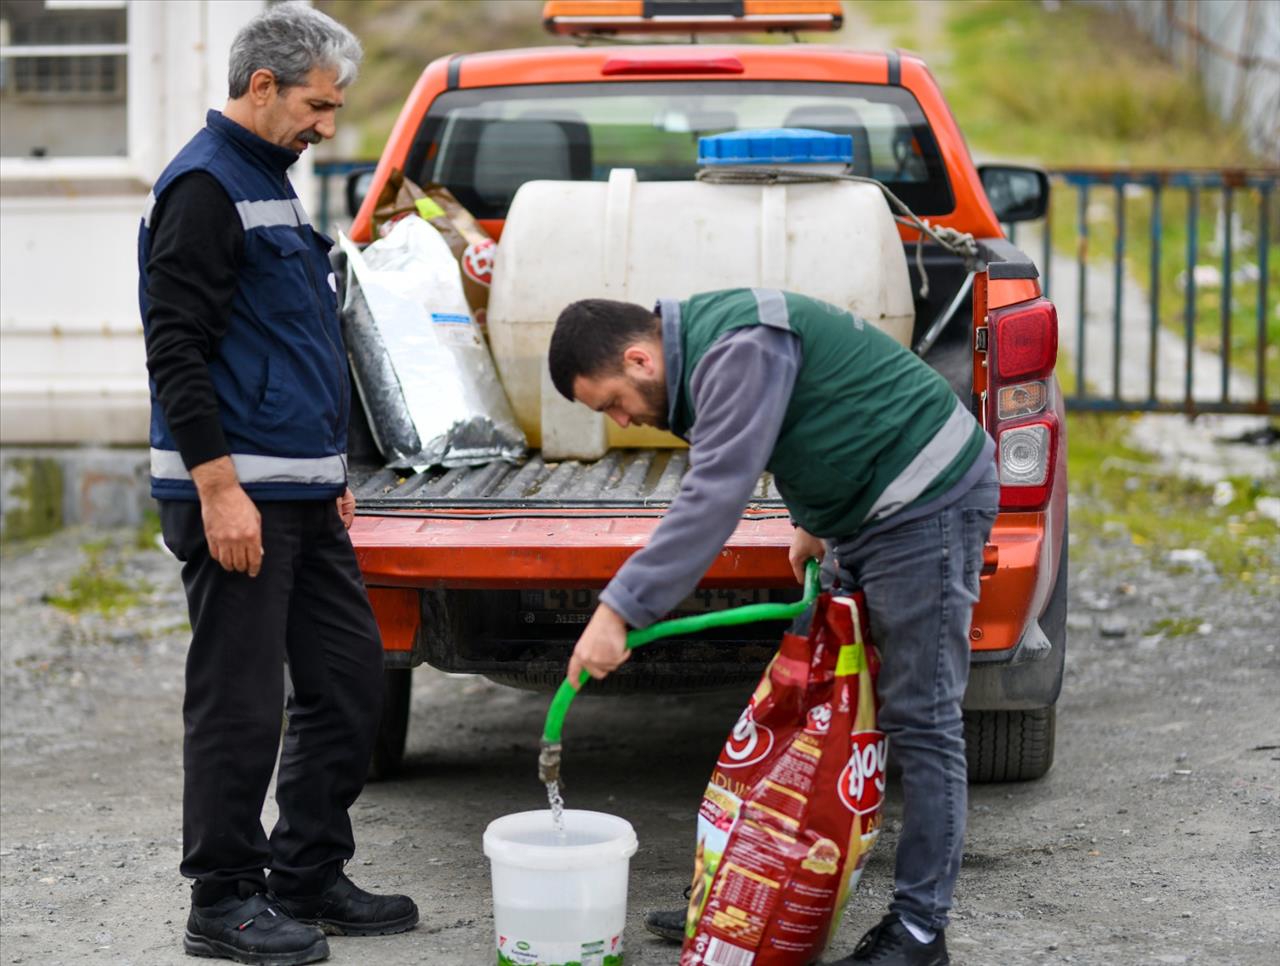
[559,903]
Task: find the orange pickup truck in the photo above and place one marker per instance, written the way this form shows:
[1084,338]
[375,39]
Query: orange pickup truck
[492,569]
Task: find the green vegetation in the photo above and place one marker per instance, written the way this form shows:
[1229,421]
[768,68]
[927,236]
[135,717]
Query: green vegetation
[99,585]
[1076,85]
[1175,626]
[1120,491]
[1079,86]
[34,498]
[148,530]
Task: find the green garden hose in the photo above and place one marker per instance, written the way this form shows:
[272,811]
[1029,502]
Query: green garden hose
[549,759]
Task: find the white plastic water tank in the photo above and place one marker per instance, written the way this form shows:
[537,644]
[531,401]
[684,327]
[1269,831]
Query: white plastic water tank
[640,241]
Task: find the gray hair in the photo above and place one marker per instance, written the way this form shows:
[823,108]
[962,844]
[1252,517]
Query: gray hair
[290,40]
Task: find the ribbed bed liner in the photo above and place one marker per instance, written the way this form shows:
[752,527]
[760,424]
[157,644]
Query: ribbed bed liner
[621,478]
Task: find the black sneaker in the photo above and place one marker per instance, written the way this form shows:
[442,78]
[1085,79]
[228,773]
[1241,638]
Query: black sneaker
[668,924]
[344,909]
[889,943]
[253,929]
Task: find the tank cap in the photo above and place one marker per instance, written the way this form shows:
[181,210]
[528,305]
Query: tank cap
[784,145]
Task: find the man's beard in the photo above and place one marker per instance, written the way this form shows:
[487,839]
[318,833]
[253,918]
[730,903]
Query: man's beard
[654,393]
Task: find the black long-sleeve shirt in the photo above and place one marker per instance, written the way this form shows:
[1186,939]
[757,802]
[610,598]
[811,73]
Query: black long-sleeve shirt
[197,248]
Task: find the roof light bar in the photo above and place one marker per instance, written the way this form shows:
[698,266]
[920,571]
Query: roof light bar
[569,17]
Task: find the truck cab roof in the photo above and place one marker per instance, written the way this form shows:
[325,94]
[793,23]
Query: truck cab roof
[540,73]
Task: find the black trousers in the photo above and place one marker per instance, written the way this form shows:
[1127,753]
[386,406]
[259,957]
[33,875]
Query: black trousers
[307,607]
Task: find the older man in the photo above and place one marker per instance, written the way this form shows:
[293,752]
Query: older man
[250,398]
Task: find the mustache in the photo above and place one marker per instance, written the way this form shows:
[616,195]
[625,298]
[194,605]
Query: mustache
[310,137]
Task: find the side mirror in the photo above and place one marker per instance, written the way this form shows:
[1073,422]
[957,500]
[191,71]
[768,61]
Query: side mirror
[1016,193]
[359,182]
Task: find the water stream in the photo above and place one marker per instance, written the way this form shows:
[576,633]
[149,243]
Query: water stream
[556,801]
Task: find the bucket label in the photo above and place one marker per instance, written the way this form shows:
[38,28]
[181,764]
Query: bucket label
[518,952]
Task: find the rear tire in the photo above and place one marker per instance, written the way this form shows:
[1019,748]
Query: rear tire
[393,729]
[1009,746]
[1017,746]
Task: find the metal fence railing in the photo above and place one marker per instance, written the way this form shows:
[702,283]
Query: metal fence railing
[1187,262]
[1166,283]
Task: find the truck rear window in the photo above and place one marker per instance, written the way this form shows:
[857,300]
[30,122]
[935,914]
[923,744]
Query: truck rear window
[486,142]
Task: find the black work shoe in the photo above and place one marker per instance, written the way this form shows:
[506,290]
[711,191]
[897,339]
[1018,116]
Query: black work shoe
[252,930]
[669,924]
[666,924]
[889,943]
[344,909]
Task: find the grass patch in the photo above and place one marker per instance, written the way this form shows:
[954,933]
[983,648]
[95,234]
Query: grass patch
[1175,627]
[1119,490]
[98,586]
[148,531]
[1074,85]
[896,16]
[1080,86]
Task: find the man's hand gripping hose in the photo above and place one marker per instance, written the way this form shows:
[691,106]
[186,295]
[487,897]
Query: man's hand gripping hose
[549,756]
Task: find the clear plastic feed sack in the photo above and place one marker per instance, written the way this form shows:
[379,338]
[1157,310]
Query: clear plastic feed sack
[420,363]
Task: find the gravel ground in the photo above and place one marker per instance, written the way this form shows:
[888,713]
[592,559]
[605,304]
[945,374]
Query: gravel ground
[1154,839]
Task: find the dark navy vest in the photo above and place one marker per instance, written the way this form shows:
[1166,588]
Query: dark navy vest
[280,372]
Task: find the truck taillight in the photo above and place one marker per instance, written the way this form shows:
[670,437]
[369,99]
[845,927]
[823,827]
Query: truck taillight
[1024,455]
[1024,399]
[1026,340]
[1020,410]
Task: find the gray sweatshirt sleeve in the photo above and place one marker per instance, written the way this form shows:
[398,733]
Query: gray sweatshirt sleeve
[740,390]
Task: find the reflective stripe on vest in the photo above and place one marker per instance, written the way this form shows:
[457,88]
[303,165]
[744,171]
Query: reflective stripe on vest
[772,308]
[264,214]
[946,445]
[166,464]
[253,214]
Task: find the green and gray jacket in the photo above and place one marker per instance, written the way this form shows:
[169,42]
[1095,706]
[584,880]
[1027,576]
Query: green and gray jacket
[858,432]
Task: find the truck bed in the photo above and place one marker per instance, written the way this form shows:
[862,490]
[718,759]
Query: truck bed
[621,479]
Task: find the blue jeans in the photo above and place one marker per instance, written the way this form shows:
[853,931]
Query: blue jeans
[921,582]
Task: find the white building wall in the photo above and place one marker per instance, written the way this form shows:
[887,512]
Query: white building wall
[72,362]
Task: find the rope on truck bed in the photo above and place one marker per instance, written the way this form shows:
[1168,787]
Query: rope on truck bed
[958,242]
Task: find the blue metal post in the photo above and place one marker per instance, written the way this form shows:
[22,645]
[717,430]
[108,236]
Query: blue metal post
[1082,271]
[1227,196]
[1193,216]
[1264,241]
[1153,353]
[1117,320]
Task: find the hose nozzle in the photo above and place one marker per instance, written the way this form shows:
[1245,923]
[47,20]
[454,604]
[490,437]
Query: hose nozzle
[549,762]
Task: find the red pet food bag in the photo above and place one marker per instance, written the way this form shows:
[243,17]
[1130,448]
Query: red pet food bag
[793,806]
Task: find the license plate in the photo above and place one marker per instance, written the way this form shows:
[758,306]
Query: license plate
[576,606]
